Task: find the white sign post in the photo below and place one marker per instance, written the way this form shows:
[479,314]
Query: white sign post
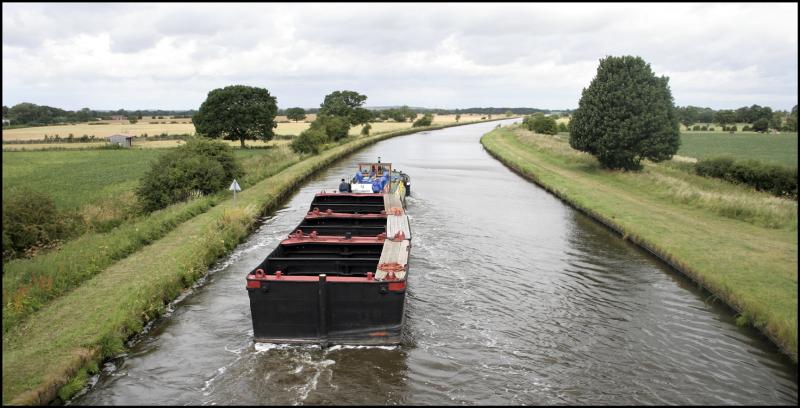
[234,187]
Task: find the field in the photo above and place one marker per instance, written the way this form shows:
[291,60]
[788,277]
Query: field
[771,148]
[739,243]
[184,126]
[76,178]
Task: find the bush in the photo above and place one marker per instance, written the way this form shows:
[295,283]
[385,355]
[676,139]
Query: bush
[30,221]
[777,180]
[562,127]
[365,130]
[309,141]
[746,128]
[696,127]
[335,127]
[425,120]
[543,124]
[200,165]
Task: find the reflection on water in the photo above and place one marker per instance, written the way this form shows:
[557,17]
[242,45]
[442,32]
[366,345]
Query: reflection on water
[514,298]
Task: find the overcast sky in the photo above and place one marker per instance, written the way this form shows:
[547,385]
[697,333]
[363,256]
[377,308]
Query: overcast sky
[169,56]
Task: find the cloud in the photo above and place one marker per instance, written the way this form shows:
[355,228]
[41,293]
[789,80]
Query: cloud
[443,55]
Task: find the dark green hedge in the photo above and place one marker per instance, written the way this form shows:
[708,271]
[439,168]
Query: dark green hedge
[777,180]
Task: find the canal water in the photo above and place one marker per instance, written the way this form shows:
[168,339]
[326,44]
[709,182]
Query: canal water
[514,298]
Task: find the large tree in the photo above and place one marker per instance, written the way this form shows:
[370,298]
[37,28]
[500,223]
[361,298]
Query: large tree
[237,112]
[346,104]
[626,115]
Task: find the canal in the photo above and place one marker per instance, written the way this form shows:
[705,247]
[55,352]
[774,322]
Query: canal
[514,298]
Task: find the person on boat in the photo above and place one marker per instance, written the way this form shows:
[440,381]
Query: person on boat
[344,187]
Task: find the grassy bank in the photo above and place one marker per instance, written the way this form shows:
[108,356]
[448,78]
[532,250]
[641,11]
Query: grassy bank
[49,354]
[739,244]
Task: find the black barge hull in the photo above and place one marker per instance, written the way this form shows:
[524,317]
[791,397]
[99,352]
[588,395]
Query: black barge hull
[340,277]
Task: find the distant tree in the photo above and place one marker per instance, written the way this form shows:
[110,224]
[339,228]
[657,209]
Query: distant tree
[83,115]
[334,127]
[509,114]
[132,119]
[5,111]
[724,117]
[458,116]
[237,112]
[425,120]
[346,104]
[776,121]
[626,115]
[296,114]
[761,125]
[791,120]
[365,130]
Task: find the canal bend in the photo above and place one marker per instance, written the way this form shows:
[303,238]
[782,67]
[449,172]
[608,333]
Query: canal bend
[514,298]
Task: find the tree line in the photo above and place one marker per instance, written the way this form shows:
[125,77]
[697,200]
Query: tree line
[31,114]
[761,118]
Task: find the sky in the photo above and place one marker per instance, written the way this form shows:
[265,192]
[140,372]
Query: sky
[448,55]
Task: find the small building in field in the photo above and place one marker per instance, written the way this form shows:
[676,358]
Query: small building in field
[122,140]
[6,122]
[118,117]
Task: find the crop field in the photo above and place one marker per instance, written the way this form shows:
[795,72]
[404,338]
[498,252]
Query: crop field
[75,178]
[183,126]
[778,148]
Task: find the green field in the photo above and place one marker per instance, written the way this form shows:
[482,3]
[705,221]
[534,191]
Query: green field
[739,243]
[76,178]
[770,148]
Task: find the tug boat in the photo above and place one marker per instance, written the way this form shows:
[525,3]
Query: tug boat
[340,276]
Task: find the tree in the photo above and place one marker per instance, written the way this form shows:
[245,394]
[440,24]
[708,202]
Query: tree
[724,117]
[335,127]
[237,112]
[132,119]
[626,115]
[761,125]
[425,120]
[296,114]
[509,114]
[346,104]
[458,116]
[791,120]
[776,121]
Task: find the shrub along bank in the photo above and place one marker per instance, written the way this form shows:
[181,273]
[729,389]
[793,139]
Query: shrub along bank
[774,179]
[739,244]
[48,355]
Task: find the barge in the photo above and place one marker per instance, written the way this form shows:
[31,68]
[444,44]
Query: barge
[340,276]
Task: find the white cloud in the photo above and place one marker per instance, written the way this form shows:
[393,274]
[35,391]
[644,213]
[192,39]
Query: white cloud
[438,55]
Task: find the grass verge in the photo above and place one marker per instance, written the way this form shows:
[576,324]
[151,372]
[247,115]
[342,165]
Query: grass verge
[44,355]
[739,244]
